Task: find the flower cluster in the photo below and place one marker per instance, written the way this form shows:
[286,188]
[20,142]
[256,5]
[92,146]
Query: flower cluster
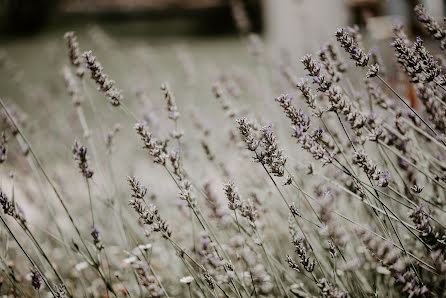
[80,156]
[351,46]
[339,102]
[311,144]
[426,231]
[329,291]
[407,59]
[74,53]
[246,208]
[95,234]
[328,65]
[156,148]
[300,245]
[3,147]
[36,279]
[71,86]
[148,214]
[392,259]
[306,92]
[297,117]
[314,70]
[7,205]
[361,159]
[376,95]
[170,100]
[220,96]
[431,25]
[271,155]
[186,194]
[340,66]
[221,270]
[436,110]
[148,281]
[106,85]
[330,227]
[431,68]
[373,70]
[245,129]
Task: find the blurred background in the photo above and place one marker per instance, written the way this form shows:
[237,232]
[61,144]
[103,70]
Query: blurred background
[284,22]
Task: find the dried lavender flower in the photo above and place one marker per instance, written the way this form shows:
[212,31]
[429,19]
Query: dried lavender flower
[373,71]
[110,136]
[306,92]
[416,188]
[105,85]
[147,280]
[80,156]
[61,291]
[3,147]
[96,238]
[247,134]
[294,211]
[297,117]
[36,279]
[327,63]
[427,232]
[438,32]
[246,208]
[310,144]
[209,279]
[220,96]
[170,100]
[347,41]
[186,194]
[74,53]
[234,201]
[148,214]
[71,86]
[240,16]
[340,65]
[340,103]
[376,95]
[329,291]
[270,155]
[292,263]
[361,159]
[314,70]
[8,207]
[155,147]
[431,68]
[330,227]
[301,250]
[391,257]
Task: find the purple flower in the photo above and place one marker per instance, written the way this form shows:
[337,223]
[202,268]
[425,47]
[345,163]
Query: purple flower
[36,279]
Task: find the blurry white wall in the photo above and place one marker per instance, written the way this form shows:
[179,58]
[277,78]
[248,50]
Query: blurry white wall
[435,7]
[302,25]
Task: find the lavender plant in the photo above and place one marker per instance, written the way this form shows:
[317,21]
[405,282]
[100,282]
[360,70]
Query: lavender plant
[354,170]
